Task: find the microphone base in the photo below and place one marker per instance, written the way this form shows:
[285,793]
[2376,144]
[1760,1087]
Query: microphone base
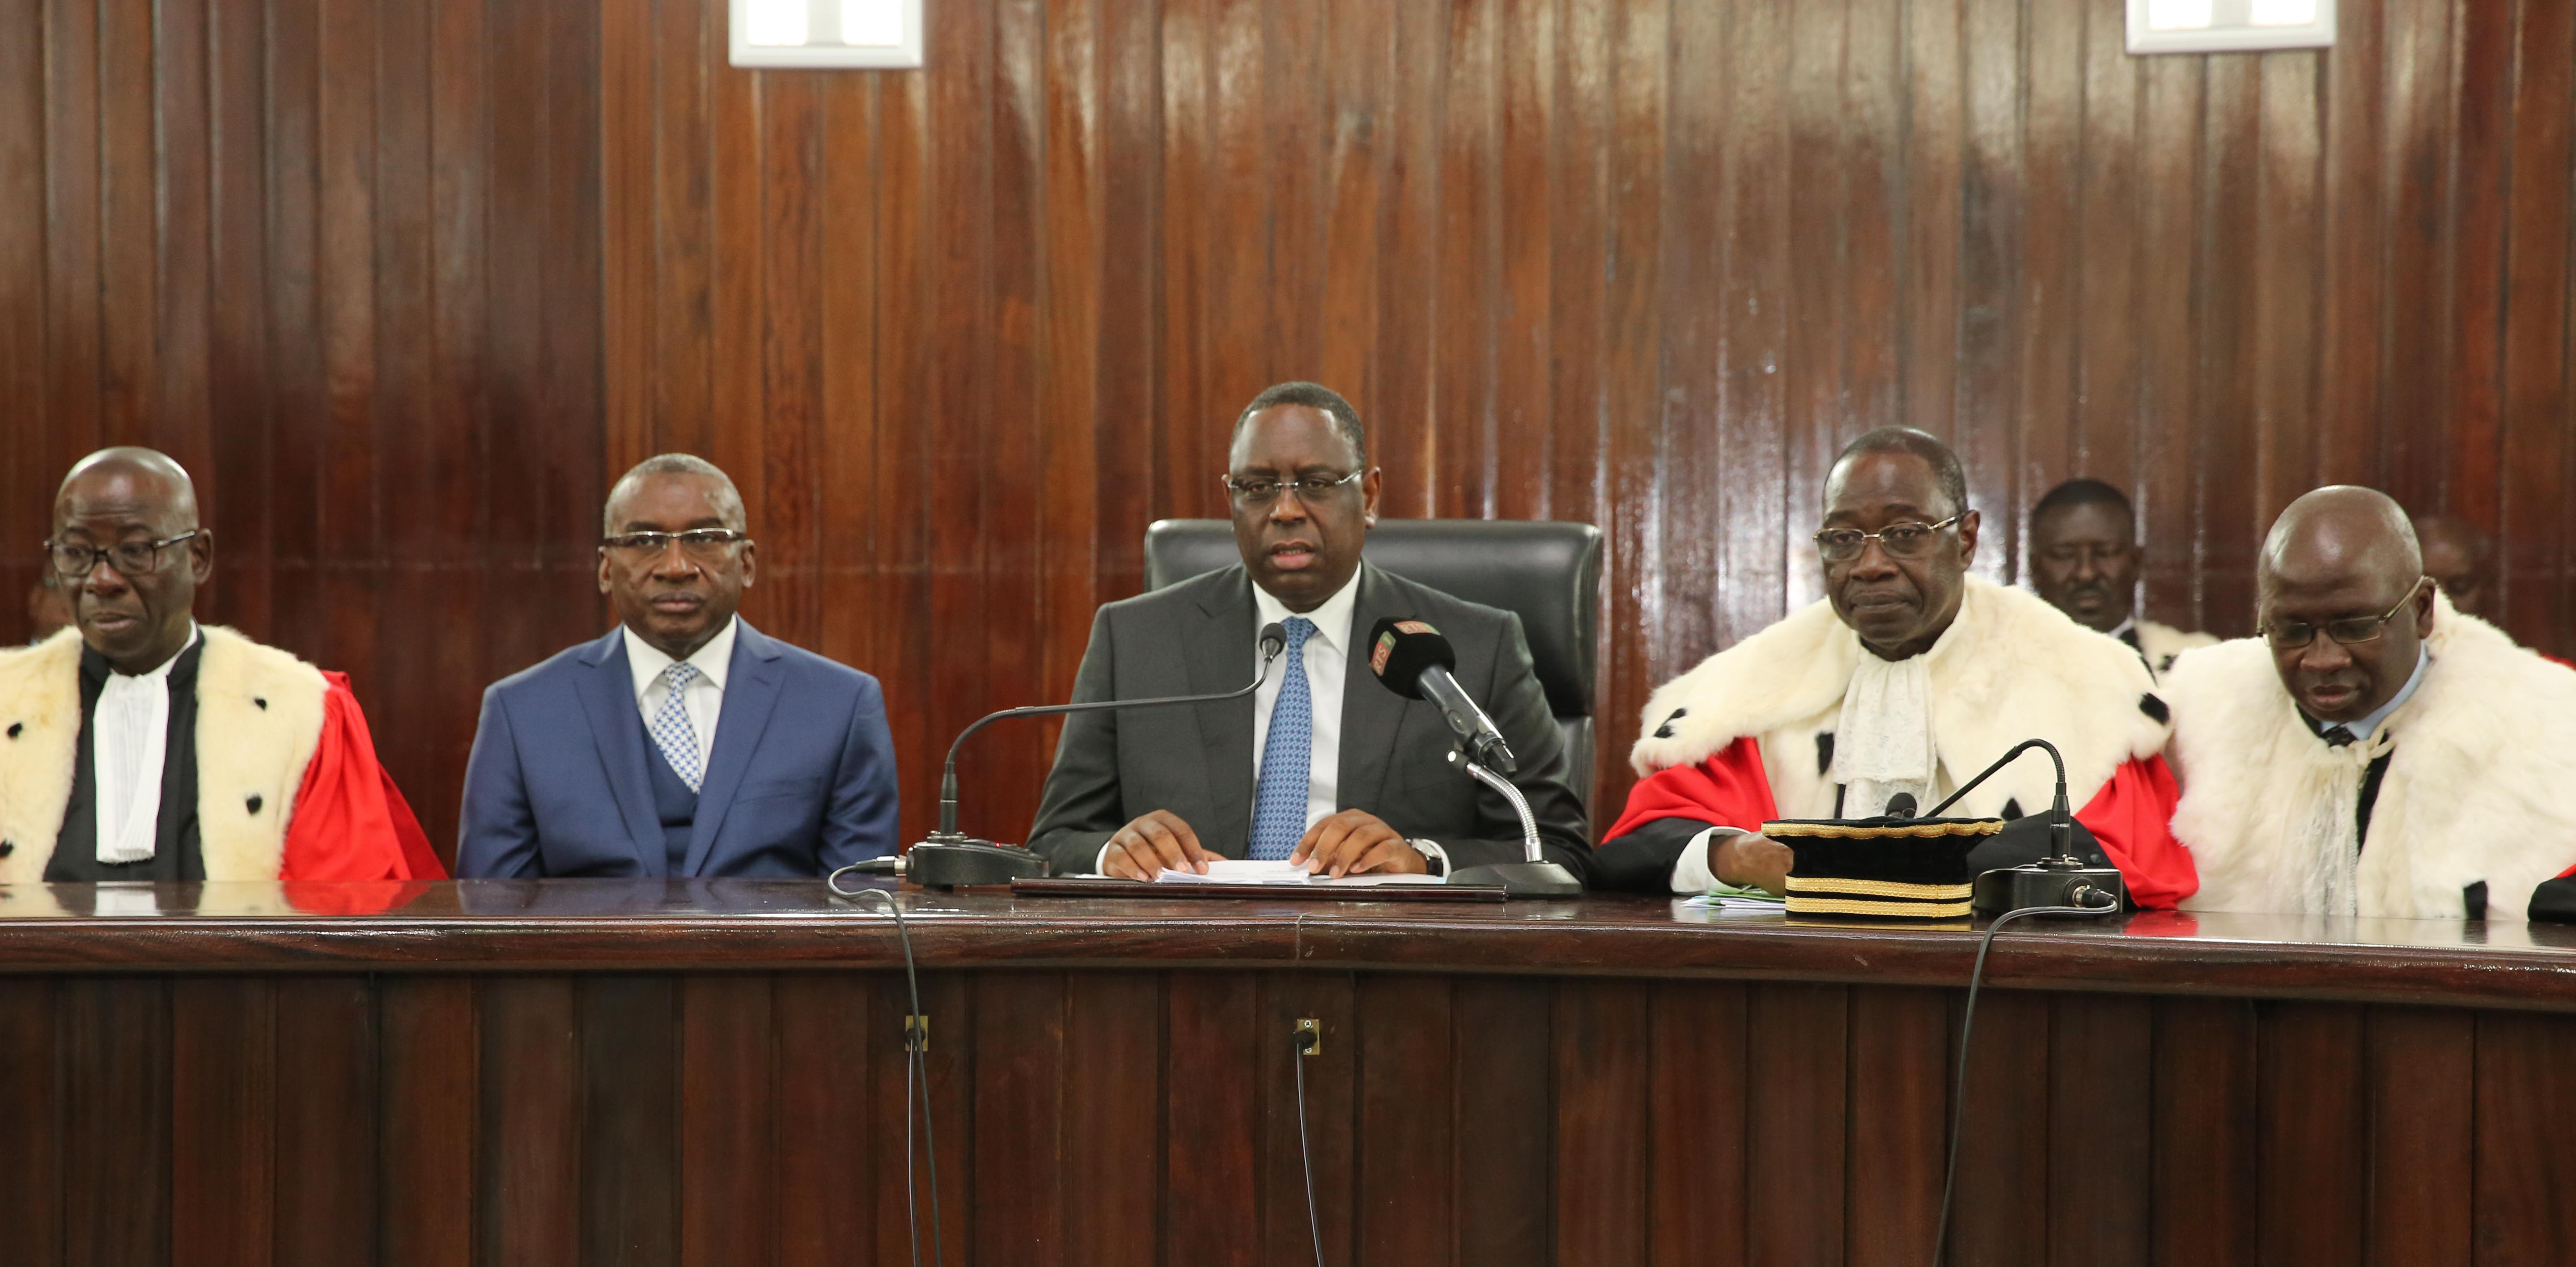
[954,863]
[2040,884]
[1522,879]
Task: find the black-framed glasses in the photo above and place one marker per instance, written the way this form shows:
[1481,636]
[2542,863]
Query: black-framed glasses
[2351,631]
[129,558]
[1900,541]
[704,544]
[1254,493]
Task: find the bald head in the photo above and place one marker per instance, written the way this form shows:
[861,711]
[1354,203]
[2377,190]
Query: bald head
[146,477]
[2460,557]
[130,555]
[2343,559]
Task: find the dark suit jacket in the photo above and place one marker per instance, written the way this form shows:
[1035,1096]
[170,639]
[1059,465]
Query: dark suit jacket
[1196,760]
[801,780]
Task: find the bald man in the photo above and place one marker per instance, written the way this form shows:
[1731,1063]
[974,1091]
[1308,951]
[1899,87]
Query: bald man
[1911,677]
[141,745]
[2354,757]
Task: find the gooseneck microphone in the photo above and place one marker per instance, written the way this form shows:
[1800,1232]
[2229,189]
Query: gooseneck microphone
[947,858]
[1414,661]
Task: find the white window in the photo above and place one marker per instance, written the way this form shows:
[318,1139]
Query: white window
[861,34]
[2229,26]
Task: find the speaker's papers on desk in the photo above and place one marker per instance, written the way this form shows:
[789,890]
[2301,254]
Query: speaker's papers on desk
[1239,871]
[1726,899]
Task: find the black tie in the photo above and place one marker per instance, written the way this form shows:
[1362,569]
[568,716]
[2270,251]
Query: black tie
[2337,736]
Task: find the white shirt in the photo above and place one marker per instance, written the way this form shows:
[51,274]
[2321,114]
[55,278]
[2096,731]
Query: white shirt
[705,700]
[130,743]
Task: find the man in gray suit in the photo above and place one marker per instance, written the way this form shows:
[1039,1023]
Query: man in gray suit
[1323,766]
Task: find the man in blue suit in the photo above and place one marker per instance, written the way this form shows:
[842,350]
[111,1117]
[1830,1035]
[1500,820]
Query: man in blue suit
[686,742]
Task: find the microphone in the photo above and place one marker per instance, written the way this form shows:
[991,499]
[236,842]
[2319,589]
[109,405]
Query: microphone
[947,858]
[2060,881]
[1414,661]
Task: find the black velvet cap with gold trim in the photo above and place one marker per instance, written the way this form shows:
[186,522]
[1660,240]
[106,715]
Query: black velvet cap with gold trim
[1882,868]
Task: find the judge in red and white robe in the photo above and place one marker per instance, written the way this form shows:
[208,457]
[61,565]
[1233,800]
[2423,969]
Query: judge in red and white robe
[278,780]
[1751,735]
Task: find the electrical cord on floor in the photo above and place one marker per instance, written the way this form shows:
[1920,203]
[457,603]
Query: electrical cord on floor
[1967,1030]
[1299,1050]
[913,1076]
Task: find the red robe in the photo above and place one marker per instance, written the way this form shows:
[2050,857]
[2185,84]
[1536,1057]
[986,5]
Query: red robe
[2129,815]
[350,822]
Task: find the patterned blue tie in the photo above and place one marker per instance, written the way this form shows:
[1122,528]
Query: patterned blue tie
[1287,757]
[672,732]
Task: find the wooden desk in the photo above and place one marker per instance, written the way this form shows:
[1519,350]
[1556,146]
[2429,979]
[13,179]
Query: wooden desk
[710,1073]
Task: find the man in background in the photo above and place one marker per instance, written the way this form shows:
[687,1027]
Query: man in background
[141,745]
[2460,557]
[684,742]
[1323,767]
[2084,559]
[49,609]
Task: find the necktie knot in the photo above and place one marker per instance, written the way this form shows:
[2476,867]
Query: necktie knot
[680,674]
[1299,630]
[2338,736]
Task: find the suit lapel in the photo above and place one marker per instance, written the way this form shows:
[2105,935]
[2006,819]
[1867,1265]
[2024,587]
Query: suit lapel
[1219,648]
[1371,714]
[617,732]
[750,696]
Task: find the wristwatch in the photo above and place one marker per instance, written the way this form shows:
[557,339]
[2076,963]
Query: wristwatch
[1432,854]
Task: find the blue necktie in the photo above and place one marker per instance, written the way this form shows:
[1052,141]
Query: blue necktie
[672,731]
[1287,757]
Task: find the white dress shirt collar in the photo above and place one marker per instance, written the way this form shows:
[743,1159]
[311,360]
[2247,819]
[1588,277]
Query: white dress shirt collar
[1332,620]
[647,661]
[2369,726]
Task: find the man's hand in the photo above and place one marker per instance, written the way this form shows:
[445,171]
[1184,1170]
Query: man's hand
[1357,842]
[1752,861]
[1142,849]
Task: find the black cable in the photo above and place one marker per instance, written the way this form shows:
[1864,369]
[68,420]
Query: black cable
[913,1075]
[1314,1228]
[1967,1030]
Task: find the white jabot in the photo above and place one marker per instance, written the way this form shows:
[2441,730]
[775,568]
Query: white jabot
[1883,741]
[130,744]
[704,699]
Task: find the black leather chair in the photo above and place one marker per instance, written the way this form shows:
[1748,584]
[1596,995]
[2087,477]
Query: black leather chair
[1549,573]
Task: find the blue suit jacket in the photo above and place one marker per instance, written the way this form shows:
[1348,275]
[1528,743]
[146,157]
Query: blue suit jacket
[801,780]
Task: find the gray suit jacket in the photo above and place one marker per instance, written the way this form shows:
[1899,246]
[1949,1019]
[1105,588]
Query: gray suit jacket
[1196,760]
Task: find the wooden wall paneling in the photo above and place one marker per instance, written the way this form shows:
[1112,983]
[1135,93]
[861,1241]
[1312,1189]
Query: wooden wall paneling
[1402,1031]
[2532,548]
[423,468]
[2481,149]
[1129,53]
[2205,1194]
[239,379]
[1017,547]
[177,184]
[1577,188]
[1518,449]
[1405,390]
[2285,242]
[2003,1146]
[2312,1130]
[1468,286]
[2225,447]
[2110,261]
[901,1205]
[26,484]
[2419,173]
[1896,1125]
[1244,227]
[1754,325]
[728,1111]
[1503,1156]
[1632,585]
[2355,282]
[528,1156]
[1934,130]
[573,484]
[830,1043]
[1115,1071]
[632,1107]
[2520,1172]
[327,1128]
[1184,181]
[2420,1095]
[337,600]
[128,219]
[1697,1155]
[2168,162]
[908,415]
[115,1163]
[733,165]
[31,1147]
[848,539]
[2101,1112]
[1355,111]
[224,1111]
[1872,201]
[1069,222]
[679,370]
[1993,249]
[430,1061]
[2047,297]
[792,420]
[1019,1034]
[1284,1234]
[518,535]
[73,227]
[949,1073]
[1825,158]
[629,84]
[1212,1201]
[1796,1071]
[1608,1118]
[1692,240]
[1287,68]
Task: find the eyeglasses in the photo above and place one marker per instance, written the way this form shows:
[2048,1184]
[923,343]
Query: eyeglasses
[702,544]
[129,558]
[1256,493]
[2352,631]
[1900,541]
